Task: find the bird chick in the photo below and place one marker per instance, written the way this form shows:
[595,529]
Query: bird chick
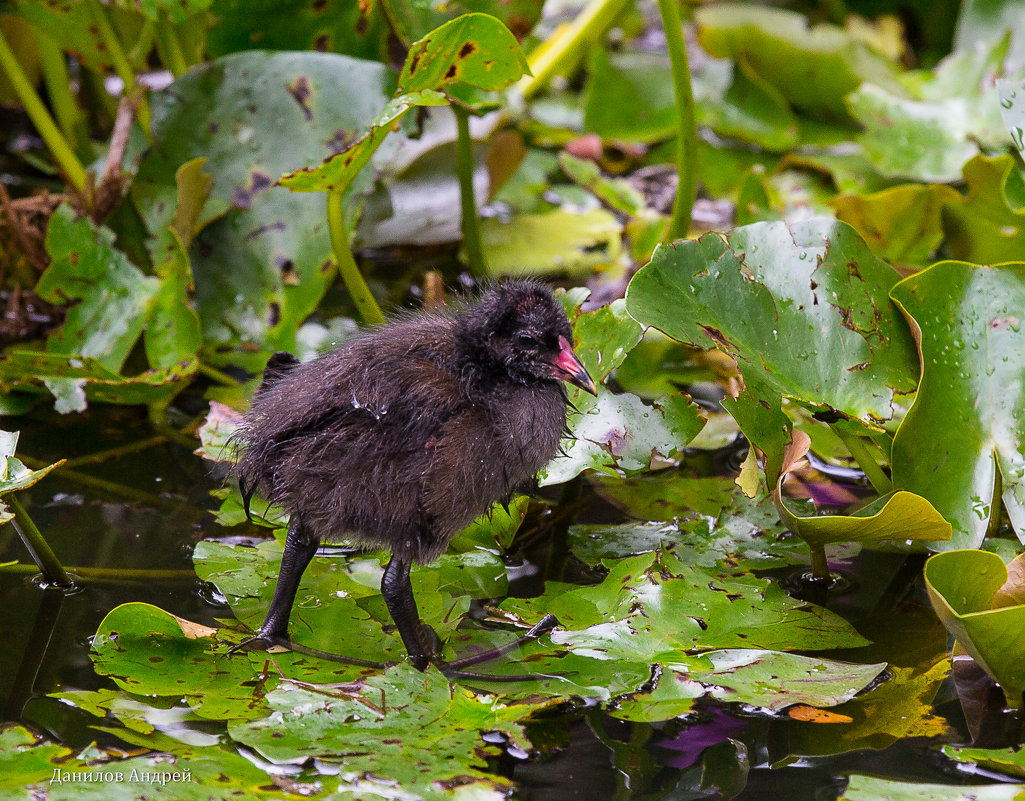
[406,434]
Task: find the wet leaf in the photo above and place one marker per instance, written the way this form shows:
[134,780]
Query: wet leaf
[629,96]
[422,733]
[14,475]
[775,680]
[72,380]
[899,707]
[870,788]
[962,585]
[924,140]
[903,224]
[813,67]
[1012,109]
[328,26]
[964,425]
[216,431]
[114,297]
[802,308]
[656,608]
[666,495]
[1004,760]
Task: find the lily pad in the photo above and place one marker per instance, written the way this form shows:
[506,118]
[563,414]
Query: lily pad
[903,224]
[412,731]
[253,115]
[962,585]
[802,308]
[966,422]
[870,788]
[987,226]
[813,67]
[559,241]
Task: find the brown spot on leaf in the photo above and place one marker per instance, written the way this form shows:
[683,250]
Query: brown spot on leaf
[300,89]
[318,6]
[262,229]
[467,50]
[715,335]
[451,72]
[856,368]
[242,197]
[340,141]
[415,61]
[289,275]
[363,23]
[852,269]
[75,257]
[273,313]
[322,43]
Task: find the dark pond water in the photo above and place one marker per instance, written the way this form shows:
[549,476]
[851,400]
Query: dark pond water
[145,510]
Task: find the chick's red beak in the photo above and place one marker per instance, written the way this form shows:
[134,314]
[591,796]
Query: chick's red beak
[568,368]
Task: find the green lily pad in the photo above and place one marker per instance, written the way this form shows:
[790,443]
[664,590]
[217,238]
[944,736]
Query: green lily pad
[987,226]
[413,731]
[802,308]
[1012,109]
[870,788]
[902,224]
[1010,761]
[73,381]
[253,115]
[813,67]
[962,585]
[901,706]
[558,241]
[924,140]
[965,424]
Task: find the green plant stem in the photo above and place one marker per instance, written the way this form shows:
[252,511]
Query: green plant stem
[120,450]
[58,89]
[171,47]
[111,574]
[819,563]
[473,245]
[568,44]
[45,125]
[42,554]
[119,59]
[873,472]
[217,375]
[351,276]
[687,133]
[87,480]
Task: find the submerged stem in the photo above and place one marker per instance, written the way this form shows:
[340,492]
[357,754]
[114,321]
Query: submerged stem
[819,563]
[873,472]
[351,276]
[42,554]
[473,245]
[687,132]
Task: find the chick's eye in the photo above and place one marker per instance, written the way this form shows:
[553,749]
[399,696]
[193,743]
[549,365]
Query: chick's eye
[526,341]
